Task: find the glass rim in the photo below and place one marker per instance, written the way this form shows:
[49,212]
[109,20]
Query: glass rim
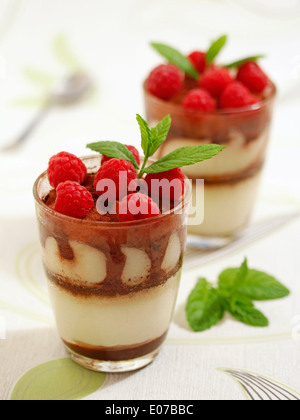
[185,202]
[233,111]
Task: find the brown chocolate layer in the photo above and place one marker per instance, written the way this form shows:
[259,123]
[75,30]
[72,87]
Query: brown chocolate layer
[118,353]
[227,180]
[114,287]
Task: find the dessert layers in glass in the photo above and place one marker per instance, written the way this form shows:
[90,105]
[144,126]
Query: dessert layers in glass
[232,179]
[113,286]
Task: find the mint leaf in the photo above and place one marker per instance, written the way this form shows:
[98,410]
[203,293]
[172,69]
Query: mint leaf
[243,61]
[216,48]
[184,156]
[159,134]
[242,309]
[146,135]
[236,291]
[175,57]
[113,149]
[241,275]
[256,286]
[204,307]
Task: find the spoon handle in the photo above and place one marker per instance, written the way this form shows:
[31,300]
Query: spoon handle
[31,127]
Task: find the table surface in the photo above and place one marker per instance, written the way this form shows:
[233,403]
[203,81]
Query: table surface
[41,41]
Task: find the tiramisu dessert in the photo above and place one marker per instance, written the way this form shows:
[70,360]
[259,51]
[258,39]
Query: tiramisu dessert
[209,103]
[113,256]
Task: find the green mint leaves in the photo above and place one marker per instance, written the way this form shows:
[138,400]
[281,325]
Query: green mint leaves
[204,308]
[184,156]
[113,149]
[175,57]
[183,63]
[239,63]
[216,48]
[236,290]
[151,140]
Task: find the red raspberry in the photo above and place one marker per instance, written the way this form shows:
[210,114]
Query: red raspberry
[199,100]
[66,167]
[121,172]
[165,81]
[198,59]
[171,192]
[236,95]
[73,200]
[252,76]
[132,149]
[137,207]
[215,80]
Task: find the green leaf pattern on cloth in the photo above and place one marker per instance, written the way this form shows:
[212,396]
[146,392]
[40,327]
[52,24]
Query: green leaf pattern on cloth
[58,380]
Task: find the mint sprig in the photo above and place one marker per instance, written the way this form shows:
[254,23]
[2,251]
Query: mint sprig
[204,307]
[182,62]
[113,149]
[151,140]
[243,310]
[236,290]
[239,63]
[255,284]
[215,48]
[184,156]
[177,58]
[145,136]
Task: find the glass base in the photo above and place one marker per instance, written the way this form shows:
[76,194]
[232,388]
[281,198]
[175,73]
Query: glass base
[121,366]
[210,243]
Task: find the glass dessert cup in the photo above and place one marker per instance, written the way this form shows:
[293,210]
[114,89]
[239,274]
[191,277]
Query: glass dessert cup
[113,286]
[232,178]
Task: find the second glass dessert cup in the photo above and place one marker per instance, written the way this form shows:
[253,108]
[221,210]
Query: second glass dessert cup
[113,286]
[232,179]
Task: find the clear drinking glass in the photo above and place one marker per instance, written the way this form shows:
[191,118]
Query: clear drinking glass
[232,178]
[113,286]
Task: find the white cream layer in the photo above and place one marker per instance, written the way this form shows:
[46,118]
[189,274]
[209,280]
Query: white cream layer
[237,157]
[227,207]
[115,321]
[88,263]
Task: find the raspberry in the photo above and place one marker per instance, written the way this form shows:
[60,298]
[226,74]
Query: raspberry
[66,167]
[165,81]
[199,100]
[236,95]
[198,59]
[121,172]
[252,76]
[137,207]
[174,186]
[215,80]
[132,149]
[73,200]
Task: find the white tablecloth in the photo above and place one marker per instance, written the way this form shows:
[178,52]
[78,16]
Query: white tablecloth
[42,40]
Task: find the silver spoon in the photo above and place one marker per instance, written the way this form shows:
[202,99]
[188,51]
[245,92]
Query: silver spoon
[70,90]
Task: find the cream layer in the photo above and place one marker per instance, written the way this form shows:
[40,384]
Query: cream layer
[238,156]
[226,209]
[108,321]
